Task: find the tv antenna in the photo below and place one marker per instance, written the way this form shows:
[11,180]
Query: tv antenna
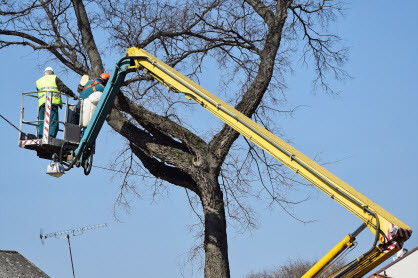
[69,233]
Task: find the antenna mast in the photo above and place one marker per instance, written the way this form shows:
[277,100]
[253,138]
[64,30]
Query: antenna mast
[69,233]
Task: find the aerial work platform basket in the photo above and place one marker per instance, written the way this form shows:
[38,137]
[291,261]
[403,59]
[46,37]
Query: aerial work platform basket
[69,131]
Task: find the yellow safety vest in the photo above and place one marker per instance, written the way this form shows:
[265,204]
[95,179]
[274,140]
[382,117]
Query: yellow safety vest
[48,83]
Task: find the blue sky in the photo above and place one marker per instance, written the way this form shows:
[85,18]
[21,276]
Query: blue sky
[372,127]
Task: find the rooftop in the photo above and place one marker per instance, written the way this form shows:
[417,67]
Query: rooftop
[13,264]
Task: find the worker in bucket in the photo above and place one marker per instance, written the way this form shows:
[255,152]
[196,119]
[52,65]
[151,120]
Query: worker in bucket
[51,83]
[90,91]
[93,85]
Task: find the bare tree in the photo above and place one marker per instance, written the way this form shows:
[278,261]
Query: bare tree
[290,269]
[253,42]
[295,268]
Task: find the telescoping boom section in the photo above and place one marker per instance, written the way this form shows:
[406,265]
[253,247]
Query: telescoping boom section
[390,233]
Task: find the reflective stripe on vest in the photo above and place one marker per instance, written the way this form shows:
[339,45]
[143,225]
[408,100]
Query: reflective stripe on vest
[41,94]
[48,83]
[48,88]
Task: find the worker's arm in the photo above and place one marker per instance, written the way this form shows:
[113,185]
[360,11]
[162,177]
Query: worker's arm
[64,89]
[80,88]
[83,83]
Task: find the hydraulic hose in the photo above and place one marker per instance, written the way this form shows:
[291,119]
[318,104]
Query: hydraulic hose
[119,63]
[357,261]
[74,160]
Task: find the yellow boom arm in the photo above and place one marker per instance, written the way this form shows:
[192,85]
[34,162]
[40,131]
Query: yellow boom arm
[376,218]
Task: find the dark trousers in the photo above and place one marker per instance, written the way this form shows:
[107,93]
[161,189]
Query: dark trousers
[53,121]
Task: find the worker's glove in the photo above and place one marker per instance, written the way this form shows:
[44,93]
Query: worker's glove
[80,88]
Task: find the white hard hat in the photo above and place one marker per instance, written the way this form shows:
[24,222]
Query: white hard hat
[49,69]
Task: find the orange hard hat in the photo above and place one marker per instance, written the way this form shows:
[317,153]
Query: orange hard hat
[104,76]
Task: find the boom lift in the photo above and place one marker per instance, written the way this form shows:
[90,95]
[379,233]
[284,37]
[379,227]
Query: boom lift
[390,233]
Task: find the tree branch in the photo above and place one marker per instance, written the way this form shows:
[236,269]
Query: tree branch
[40,44]
[262,10]
[165,172]
[150,146]
[158,125]
[26,10]
[223,141]
[88,38]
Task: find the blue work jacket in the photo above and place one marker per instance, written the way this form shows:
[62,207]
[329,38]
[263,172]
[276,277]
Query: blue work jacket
[89,88]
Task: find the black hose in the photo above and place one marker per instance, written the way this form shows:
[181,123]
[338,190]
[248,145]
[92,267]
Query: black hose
[62,152]
[75,158]
[357,261]
[118,64]
[61,155]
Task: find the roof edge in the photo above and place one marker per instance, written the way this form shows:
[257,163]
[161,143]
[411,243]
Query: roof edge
[397,261]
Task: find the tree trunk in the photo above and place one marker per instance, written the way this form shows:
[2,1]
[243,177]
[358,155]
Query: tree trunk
[215,244]
[87,38]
